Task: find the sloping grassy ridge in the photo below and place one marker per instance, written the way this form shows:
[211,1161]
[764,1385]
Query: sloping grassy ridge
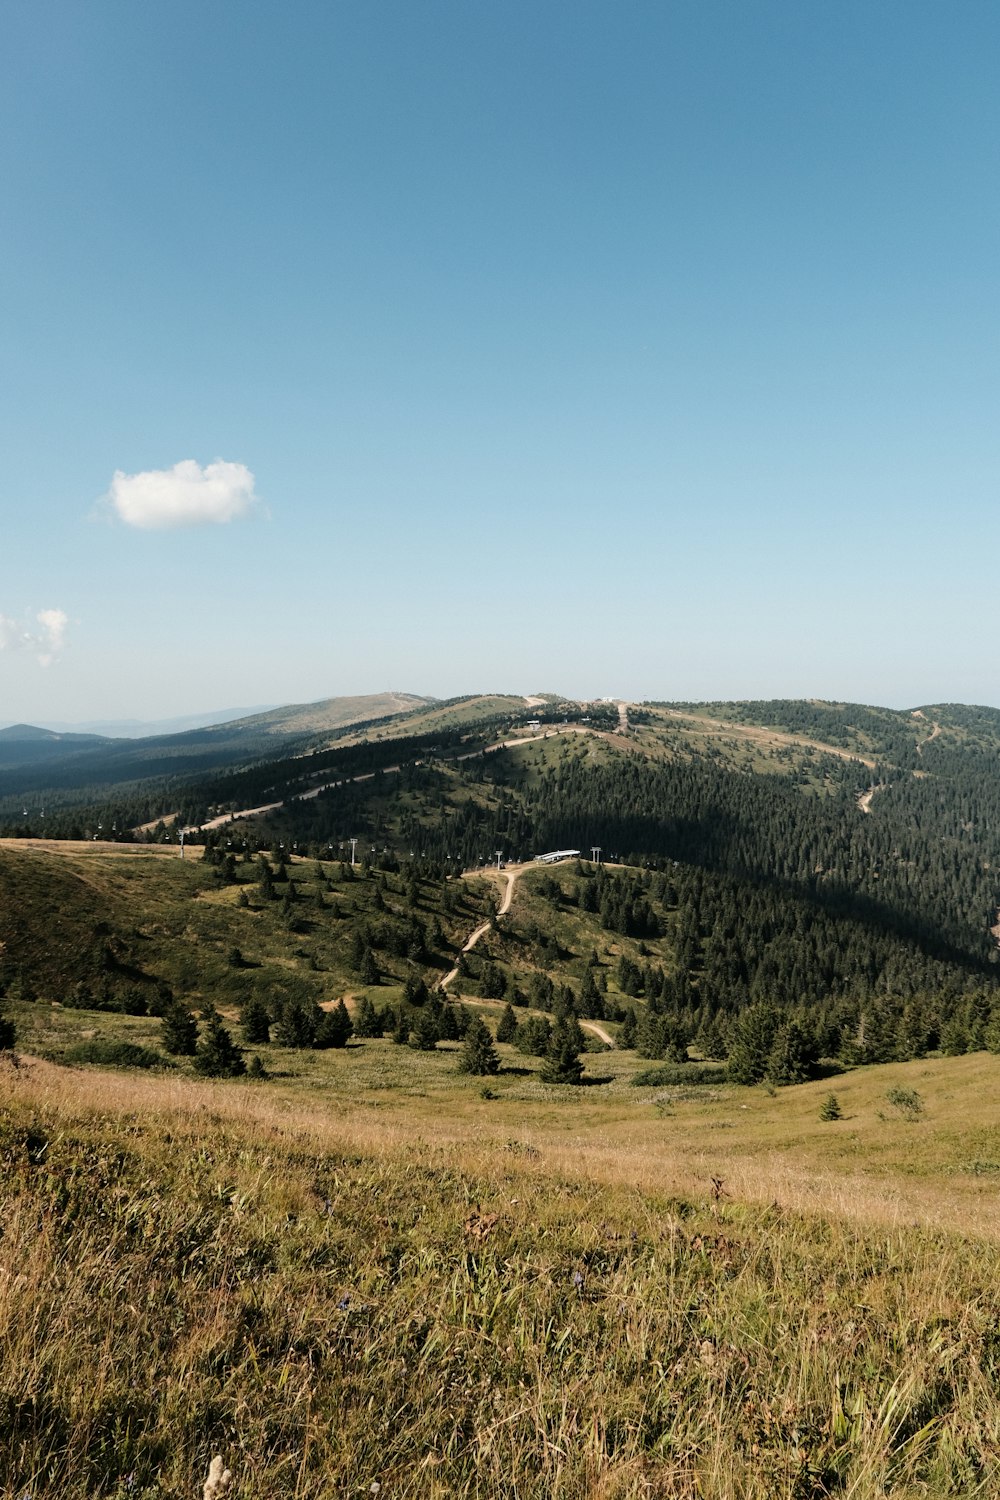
[187,1270]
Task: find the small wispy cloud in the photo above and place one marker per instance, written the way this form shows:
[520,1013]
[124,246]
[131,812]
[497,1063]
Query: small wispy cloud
[45,640]
[185,495]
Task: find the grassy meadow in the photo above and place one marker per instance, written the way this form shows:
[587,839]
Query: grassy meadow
[368,1274]
[371,1278]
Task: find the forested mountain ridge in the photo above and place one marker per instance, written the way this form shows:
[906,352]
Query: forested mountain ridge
[825,853]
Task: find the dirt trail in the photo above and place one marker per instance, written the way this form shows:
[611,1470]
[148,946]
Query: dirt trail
[599,1031]
[252,812]
[513,874]
[222,819]
[487,1005]
[865,798]
[935,731]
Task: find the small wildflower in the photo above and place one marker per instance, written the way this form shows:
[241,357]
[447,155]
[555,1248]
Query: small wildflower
[578,1280]
[374,1487]
[344,1302]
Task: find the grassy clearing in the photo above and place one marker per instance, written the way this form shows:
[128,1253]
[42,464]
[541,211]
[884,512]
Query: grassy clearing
[543,1302]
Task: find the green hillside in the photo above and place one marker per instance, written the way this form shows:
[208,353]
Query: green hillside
[835,862]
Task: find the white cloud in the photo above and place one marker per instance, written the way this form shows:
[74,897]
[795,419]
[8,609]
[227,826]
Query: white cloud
[46,643]
[53,623]
[186,495]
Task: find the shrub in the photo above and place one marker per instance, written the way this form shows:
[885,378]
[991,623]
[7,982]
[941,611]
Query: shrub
[107,1052]
[676,1073]
[830,1108]
[907,1102]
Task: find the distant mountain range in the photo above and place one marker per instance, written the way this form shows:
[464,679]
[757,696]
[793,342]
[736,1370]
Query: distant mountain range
[31,755]
[292,718]
[135,729]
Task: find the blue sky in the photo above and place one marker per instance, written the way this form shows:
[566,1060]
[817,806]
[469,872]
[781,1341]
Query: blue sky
[638,348]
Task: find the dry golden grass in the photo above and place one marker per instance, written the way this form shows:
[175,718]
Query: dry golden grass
[871,1167]
[447,1295]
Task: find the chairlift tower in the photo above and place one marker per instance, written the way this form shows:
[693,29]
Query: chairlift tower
[595,854]
[499,854]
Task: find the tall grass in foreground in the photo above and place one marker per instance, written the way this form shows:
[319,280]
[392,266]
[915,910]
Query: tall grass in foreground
[432,1321]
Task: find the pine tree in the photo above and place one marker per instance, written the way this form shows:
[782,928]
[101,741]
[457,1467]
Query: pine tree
[367,1021]
[369,968]
[415,990]
[180,1030]
[426,1031]
[507,1025]
[492,983]
[335,1027]
[751,1042]
[265,879]
[626,1036]
[478,1056]
[540,992]
[449,1024]
[255,1021]
[591,1000]
[562,1064]
[217,1055]
[533,1035]
[791,1058]
[297,1022]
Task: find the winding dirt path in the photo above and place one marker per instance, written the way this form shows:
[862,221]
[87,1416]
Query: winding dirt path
[513,874]
[935,731]
[865,798]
